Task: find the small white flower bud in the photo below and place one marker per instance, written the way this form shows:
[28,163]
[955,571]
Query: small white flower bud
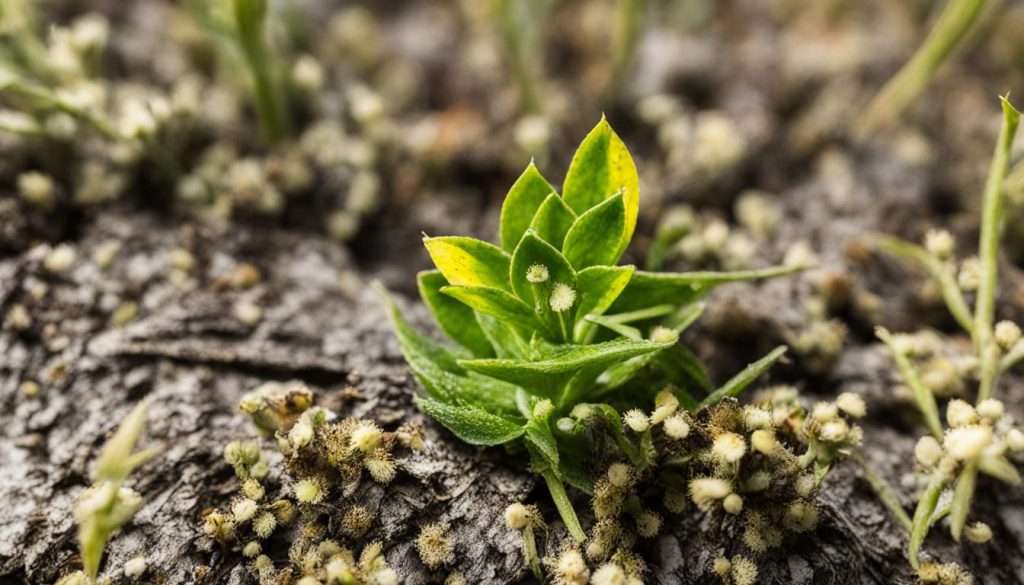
[939,242]
[252,549]
[763,441]
[1007,334]
[1015,440]
[563,297]
[978,532]
[728,447]
[244,510]
[755,417]
[665,404]
[620,475]
[834,431]
[960,414]
[517,516]
[991,409]
[928,451]
[60,259]
[648,524]
[309,491]
[301,434]
[636,420]
[676,426]
[805,485]
[537,274]
[969,276]
[852,404]
[704,491]
[967,442]
[543,408]
[609,574]
[366,436]
[733,504]
[824,412]
[663,335]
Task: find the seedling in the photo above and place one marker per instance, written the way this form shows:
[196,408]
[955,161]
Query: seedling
[553,337]
[949,31]
[107,506]
[974,441]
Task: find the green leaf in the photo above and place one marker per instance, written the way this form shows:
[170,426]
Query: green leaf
[472,425]
[546,377]
[923,395]
[611,418]
[456,319]
[525,197]
[1000,468]
[597,288]
[740,381]
[534,251]
[496,303]
[503,337]
[418,349]
[553,220]
[469,262]
[116,462]
[681,288]
[601,167]
[538,434]
[923,515]
[593,240]
[963,496]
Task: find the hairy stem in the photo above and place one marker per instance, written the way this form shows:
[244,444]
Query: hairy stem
[564,506]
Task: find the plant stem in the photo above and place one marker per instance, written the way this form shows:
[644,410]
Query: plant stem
[250,19]
[564,506]
[922,394]
[923,514]
[628,21]
[962,498]
[950,29]
[530,552]
[886,493]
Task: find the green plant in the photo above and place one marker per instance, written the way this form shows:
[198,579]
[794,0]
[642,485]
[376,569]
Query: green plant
[976,440]
[242,24]
[949,31]
[552,334]
[107,505]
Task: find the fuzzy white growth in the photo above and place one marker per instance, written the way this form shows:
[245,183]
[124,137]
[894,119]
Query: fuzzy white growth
[928,451]
[852,404]
[563,297]
[244,510]
[517,516]
[571,568]
[800,254]
[366,436]
[135,567]
[763,441]
[381,467]
[677,427]
[620,475]
[721,567]
[434,546]
[609,574]
[728,447]
[1007,334]
[264,525]
[308,581]
[665,403]
[824,412]
[744,571]
[648,524]
[307,73]
[960,414]
[636,420]
[733,504]
[252,549]
[939,242]
[967,442]
[543,408]
[978,532]
[991,409]
[309,491]
[705,491]
[755,417]
[537,274]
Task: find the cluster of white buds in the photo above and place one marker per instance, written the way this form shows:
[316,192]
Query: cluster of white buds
[739,570]
[831,427]
[704,241]
[982,434]
[434,546]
